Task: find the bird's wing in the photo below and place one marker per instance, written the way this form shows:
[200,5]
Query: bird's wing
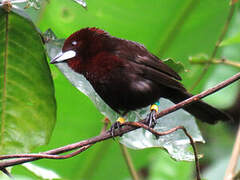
[152,61]
[148,65]
[158,77]
[137,53]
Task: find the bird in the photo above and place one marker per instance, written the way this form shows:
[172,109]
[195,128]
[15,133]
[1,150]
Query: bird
[127,76]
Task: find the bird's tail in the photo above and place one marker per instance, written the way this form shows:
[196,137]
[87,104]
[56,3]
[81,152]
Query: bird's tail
[200,109]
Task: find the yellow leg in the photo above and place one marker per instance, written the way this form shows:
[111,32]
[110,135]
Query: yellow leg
[116,125]
[121,120]
[154,107]
[151,119]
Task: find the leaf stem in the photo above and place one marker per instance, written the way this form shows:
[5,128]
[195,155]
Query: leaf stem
[229,175]
[222,35]
[217,61]
[173,29]
[129,162]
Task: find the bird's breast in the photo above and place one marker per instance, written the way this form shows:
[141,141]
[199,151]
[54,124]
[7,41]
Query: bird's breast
[101,66]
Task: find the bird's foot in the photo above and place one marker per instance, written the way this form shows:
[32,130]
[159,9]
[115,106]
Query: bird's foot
[116,125]
[151,118]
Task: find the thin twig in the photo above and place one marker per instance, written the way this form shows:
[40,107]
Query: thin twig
[106,122]
[222,35]
[45,155]
[129,162]
[120,132]
[99,152]
[237,176]
[7,5]
[230,172]
[174,28]
[202,94]
[218,61]
[141,125]
[126,156]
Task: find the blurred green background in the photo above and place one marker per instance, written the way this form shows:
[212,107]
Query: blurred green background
[168,28]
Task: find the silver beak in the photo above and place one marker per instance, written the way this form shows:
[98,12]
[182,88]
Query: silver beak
[63,56]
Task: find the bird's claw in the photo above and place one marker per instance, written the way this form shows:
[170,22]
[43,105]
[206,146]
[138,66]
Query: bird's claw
[151,119]
[116,125]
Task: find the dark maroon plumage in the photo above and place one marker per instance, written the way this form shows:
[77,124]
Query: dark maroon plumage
[126,76]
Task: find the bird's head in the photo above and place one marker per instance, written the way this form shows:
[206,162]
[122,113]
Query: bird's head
[80,47]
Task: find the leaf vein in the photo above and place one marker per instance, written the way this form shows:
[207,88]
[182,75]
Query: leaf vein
[4,83]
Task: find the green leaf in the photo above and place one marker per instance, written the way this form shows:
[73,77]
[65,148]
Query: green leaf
[40,172]
[175,65]
[30,171]
[27,102]
[162,167]
[231,40]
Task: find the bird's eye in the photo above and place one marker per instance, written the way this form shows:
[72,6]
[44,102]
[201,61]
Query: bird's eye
[74,43]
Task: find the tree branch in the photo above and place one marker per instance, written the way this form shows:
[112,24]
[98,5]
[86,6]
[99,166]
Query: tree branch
[83,145]
[199,96]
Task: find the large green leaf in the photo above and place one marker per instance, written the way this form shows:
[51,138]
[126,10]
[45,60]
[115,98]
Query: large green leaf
[27,102]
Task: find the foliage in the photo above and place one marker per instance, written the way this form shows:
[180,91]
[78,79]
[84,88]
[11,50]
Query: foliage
[28,108]
[170,29]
